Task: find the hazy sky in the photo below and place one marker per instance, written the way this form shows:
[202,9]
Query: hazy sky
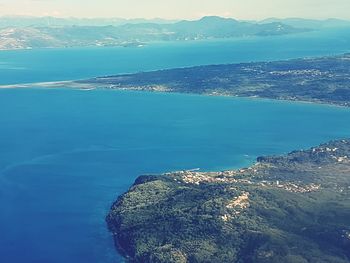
[188,9]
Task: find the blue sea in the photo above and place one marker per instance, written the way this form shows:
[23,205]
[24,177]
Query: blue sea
[66,155]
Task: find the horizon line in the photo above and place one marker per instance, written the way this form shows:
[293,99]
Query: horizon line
[170,19]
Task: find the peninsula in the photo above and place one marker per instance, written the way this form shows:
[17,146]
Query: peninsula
[318,80]
[293,208]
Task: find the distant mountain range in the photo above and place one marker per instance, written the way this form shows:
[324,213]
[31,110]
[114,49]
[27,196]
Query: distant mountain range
[50,32]
[49,21]
[21,37]
[308,23]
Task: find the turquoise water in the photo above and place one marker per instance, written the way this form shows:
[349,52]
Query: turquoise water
[65,155]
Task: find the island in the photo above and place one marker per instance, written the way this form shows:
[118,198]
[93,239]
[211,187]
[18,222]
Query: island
[292,208]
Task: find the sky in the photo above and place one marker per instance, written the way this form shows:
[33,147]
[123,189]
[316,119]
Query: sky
[179,9]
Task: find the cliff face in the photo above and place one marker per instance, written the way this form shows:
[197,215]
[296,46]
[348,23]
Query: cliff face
[293,208]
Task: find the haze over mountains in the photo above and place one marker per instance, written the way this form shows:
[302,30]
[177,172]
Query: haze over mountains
[49,21]
[309,23]
[50,32]
[32,21]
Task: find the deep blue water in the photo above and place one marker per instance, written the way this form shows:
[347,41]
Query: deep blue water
[65,155]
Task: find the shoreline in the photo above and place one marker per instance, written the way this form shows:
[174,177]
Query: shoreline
[77,85]
[303,80]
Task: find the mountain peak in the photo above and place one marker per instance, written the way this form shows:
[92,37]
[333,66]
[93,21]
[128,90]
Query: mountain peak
[215,19]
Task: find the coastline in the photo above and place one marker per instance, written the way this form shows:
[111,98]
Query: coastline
[305,80]
[77,85]
[142,220]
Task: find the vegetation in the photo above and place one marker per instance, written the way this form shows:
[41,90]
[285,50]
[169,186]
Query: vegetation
[321,80]
[325,80]
[282,209]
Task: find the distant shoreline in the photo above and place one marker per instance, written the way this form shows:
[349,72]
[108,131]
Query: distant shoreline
[305,80]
